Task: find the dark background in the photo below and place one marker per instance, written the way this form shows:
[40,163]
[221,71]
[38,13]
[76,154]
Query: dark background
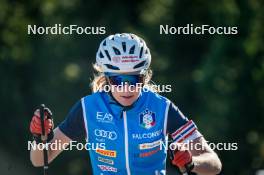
[217,80]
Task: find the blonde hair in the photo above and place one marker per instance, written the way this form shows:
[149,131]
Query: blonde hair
[99,80]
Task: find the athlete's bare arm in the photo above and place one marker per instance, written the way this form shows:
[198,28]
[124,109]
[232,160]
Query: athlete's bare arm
[205,159]
[36,156]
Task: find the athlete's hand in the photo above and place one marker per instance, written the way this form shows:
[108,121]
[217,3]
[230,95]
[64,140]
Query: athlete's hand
[182,157]
[35,124]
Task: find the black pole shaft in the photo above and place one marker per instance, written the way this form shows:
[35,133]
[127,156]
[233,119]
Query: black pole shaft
[44,139]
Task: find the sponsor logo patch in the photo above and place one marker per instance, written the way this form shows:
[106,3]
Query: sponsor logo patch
[107,168]
[111,135]
[149,153]
[108,153]
[147,119]
[104,117]
[148,135]
[151,145]
[124,59]
[116,59]
[108,161]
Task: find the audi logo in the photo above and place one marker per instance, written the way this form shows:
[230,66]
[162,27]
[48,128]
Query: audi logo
[105,134]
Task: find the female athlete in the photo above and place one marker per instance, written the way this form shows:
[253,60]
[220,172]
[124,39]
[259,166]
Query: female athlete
[129,121]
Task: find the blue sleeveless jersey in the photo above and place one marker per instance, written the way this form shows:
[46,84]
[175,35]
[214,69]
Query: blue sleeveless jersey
[132,137]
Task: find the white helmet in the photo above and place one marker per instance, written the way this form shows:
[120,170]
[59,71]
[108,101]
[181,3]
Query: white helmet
[121,53]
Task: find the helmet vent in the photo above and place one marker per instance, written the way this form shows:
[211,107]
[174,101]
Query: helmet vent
[117,52]
[101,55]
[124,46]
[107,54]
[140,53]
[139,64]
[109,66]
[104,43]
[132,50]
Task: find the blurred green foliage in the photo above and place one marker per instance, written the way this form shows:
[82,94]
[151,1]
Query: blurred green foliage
[217,79]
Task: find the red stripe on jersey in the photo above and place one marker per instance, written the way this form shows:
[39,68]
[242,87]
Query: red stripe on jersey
[186,136]
[182,128]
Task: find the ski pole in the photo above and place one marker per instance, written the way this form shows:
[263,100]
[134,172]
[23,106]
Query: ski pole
[44,139]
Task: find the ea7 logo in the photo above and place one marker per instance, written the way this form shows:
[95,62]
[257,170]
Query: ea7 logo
[104,117]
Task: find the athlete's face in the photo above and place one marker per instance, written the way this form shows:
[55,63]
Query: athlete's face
[127,97]
[125,87]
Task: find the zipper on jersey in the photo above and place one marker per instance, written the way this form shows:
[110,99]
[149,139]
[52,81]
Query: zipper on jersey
[126,143]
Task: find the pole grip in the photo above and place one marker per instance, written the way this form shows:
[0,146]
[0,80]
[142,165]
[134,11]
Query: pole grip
[171,155]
